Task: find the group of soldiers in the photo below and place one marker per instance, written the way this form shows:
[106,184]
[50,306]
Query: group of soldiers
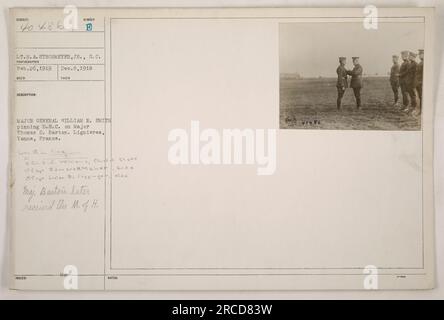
[408,77]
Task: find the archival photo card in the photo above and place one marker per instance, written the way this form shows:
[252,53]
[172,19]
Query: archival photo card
[150,150]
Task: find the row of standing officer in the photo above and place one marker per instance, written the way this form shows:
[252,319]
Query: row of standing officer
[409,77]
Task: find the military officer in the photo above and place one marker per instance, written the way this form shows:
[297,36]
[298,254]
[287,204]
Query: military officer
[403,79]
[342,82]
[394,78]
[356,80]
[419,77]
[411,82]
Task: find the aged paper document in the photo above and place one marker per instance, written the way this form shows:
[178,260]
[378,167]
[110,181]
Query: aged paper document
[221,149]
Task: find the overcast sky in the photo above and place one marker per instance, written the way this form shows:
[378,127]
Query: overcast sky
[312,49]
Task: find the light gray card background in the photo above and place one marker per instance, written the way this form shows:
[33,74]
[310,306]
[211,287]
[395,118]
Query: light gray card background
[439,163]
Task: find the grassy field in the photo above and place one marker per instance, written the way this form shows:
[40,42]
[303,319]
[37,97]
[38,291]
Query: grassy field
[311,104]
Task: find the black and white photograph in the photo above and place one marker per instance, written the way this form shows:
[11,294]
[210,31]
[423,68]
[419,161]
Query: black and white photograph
[341,75]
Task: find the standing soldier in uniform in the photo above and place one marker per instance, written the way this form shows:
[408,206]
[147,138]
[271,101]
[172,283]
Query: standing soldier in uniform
[356,80]
[403,79]
[411,82]
[419,77]
[394,78]
[342,82]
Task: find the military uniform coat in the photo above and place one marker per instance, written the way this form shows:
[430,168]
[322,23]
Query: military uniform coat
[342,77]
[412,74]
[419,73]
[394,74]
[403,73]
[356,80]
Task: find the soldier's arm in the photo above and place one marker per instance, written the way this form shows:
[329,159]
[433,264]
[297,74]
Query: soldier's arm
[355,72]
[411,70]
[403,72]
